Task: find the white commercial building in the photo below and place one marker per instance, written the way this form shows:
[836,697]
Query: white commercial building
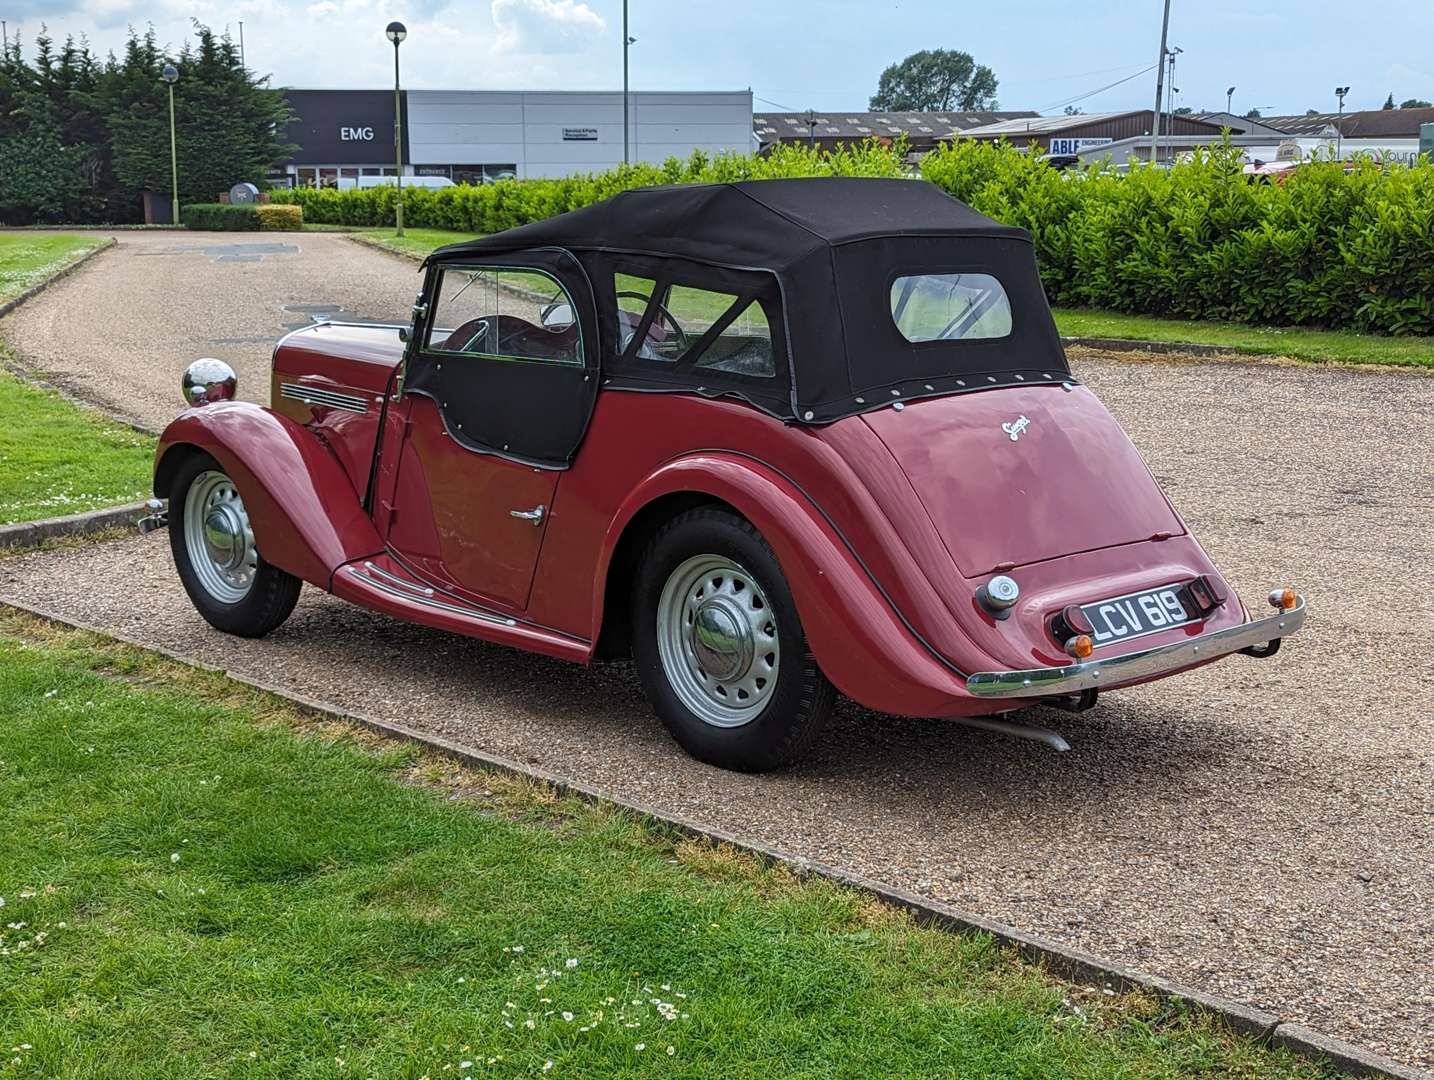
[475,136]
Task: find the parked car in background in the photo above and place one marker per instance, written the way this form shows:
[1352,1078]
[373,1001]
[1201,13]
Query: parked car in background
[772,440]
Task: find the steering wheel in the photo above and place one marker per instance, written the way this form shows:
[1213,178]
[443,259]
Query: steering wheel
[679,336]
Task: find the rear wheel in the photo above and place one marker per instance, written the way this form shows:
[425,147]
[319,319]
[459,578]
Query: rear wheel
[221,569]
[720,649]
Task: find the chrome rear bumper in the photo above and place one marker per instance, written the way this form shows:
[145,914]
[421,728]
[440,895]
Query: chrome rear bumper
[1093,674]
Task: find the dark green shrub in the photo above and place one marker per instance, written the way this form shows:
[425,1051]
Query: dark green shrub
[220,217]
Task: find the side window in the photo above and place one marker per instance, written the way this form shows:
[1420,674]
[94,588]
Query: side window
[950,307]
[683,315]
[498,313]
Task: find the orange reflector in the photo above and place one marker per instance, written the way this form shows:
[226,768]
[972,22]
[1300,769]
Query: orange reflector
[1080,646]
[1284,599]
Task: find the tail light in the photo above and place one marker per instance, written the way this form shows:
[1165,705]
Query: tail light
[1203,594]
[1070,623]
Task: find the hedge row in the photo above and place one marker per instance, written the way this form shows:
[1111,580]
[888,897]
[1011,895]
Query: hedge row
[241,217]
[1325,248]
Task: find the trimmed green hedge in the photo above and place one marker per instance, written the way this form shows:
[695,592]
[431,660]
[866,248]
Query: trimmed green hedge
[220,217]
[1325,248]
[274,218]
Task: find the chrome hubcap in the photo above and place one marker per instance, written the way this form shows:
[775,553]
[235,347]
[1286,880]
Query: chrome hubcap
[717,639]
[219,539]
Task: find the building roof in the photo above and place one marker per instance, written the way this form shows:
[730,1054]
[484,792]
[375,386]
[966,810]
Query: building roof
[1239,123]
[1366,124]
[1050,125]
[775,127]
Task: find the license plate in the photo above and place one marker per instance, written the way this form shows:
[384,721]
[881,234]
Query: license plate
[1137,614]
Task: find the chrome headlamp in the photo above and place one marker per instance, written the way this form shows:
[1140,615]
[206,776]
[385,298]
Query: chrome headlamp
[208,380]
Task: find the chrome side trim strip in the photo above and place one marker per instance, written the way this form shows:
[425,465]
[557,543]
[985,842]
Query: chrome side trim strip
[425,601]
[394,579]
[312,395]
[1073,678]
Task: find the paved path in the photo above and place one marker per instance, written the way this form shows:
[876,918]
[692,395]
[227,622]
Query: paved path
[1259,830]
[121,330]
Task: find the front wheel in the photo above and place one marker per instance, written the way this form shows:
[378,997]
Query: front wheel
[221,569]
[720,649]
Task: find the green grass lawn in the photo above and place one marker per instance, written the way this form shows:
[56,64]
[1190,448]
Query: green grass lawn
[415,241]
[199,882]
[1318,346]
[27,259]
[57,459]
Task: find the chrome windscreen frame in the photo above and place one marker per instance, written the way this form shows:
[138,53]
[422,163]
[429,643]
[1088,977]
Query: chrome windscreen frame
[1135,666]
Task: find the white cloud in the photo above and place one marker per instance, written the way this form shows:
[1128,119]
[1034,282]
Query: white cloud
[545,25]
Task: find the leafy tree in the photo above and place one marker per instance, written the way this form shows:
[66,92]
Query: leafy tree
[935,80]
[1184,110]
[1253,114]
[1073,110]
[80,138]
[1416,103]
[1389,101]
[1311,112]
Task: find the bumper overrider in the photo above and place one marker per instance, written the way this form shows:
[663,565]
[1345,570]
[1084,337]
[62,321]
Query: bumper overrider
[1259,637]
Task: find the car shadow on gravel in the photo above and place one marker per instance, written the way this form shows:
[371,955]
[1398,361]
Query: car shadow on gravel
[502,699]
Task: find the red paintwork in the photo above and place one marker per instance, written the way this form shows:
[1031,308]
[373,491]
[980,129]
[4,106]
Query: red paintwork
[305,516]
[884,524]
[999,503]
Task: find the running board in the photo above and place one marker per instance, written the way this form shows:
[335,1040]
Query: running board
[380,584]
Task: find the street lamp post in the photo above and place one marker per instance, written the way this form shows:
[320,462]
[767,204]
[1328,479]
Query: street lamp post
[396,32]
[170,75]
[1229,98]
[1339,92]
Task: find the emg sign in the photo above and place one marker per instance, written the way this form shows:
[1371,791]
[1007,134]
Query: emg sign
[356,134]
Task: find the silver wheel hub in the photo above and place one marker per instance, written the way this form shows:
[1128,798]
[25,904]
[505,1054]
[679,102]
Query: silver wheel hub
[717,639]
[219,539]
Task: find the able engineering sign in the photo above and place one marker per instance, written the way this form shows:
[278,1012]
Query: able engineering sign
[1072,147]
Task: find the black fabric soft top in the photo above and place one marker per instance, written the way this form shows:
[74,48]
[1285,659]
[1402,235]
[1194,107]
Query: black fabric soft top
[834,245]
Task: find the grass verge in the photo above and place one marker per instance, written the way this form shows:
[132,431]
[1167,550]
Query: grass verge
[57,459]
[1298,343]
[26,259]
[199,880]
[1317,346]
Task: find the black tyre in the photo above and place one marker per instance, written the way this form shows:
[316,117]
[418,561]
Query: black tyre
[227,580]
[719,647]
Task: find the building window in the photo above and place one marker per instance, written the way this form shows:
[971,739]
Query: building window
[480,174]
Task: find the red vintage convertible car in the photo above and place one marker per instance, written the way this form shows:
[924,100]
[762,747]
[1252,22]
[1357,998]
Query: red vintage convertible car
[771,439]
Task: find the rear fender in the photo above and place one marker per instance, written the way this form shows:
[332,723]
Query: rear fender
[306,518]
[857,637]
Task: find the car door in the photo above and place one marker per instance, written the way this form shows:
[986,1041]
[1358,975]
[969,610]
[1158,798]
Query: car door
[498,389]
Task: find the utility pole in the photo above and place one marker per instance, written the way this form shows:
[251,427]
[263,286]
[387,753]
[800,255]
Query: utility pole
[241,45]
[626,105]
[1159,87]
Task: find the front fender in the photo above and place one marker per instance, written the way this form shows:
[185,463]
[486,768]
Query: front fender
[858,638]
[306,517]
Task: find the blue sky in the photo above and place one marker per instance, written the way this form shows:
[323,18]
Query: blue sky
[1282,56]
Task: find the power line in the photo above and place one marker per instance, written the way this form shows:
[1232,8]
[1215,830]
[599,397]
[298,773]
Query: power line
[1097,90]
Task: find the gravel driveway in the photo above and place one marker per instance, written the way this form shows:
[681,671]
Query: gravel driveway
[1261,830]
[120,331]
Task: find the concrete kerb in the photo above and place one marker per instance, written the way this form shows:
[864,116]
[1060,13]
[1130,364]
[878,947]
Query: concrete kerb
[1061,960]
[35,290]
[29,534]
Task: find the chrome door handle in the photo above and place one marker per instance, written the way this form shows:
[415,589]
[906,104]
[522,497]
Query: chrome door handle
[535,515]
